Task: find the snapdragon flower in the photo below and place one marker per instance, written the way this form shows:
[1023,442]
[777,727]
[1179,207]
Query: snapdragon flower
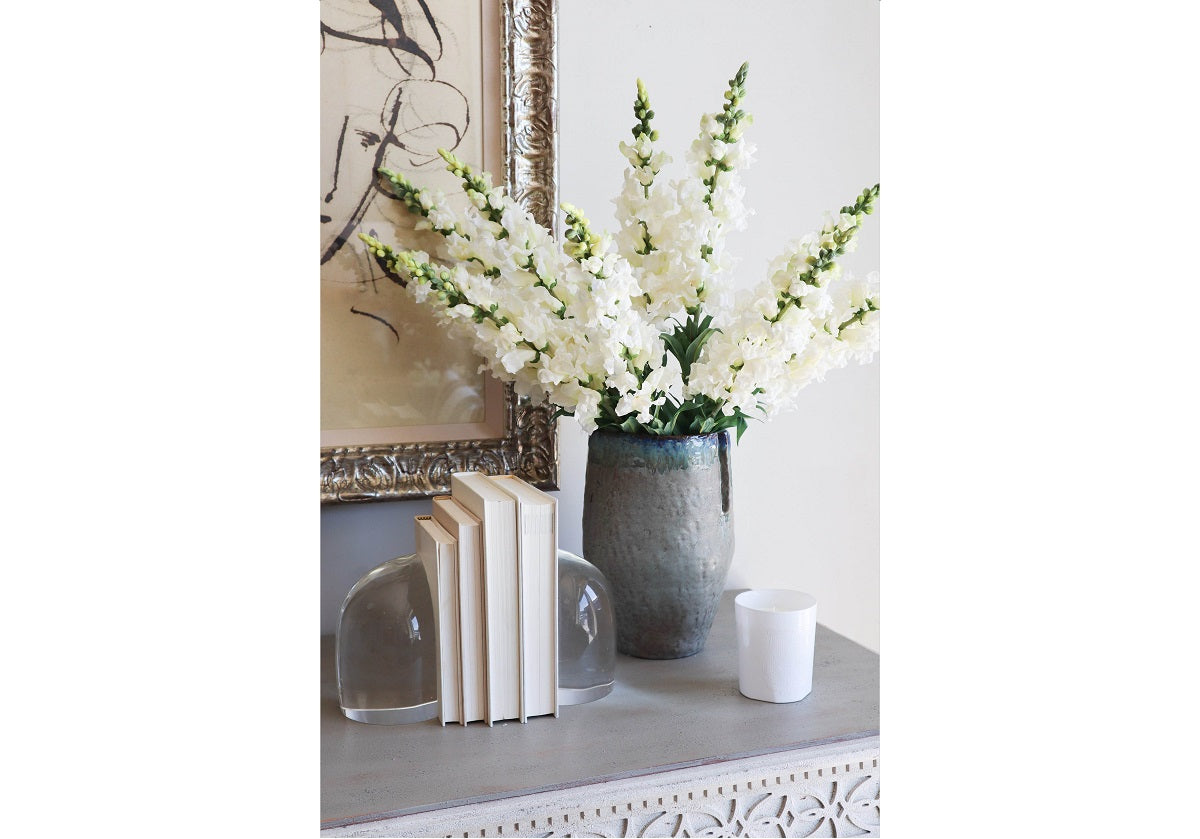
[803,321]
[684,226]
[638,194]
[616,330]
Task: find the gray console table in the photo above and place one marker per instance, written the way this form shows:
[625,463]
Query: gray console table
[674,750]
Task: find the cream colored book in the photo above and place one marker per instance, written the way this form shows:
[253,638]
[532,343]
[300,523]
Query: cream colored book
[537,564]
[465,528]
[437,551]
[497,514]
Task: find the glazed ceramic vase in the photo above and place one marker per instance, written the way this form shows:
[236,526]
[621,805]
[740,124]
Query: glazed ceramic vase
[657,522]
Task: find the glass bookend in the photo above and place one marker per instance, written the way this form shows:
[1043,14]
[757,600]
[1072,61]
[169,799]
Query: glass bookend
[386,648]
[587,632]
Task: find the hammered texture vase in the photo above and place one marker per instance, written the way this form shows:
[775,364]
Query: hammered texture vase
[657,522]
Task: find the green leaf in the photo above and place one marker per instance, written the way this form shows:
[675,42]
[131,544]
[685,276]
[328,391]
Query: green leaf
[674,344]
[694,348]
[681,419]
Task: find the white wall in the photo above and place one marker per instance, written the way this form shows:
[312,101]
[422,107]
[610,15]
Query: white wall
[806,485]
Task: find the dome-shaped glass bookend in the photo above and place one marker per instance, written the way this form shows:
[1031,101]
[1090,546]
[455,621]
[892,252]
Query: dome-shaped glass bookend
[386,647]
[587,632]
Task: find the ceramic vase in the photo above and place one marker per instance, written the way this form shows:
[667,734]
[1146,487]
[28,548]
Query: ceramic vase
[657,521]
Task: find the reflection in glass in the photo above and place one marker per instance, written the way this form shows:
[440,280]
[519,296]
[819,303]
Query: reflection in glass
[386,647]
[587,632]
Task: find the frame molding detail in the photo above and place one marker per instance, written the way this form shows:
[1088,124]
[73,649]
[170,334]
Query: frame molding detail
[529,449]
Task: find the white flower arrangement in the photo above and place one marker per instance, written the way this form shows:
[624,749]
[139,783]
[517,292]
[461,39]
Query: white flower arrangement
[628,332]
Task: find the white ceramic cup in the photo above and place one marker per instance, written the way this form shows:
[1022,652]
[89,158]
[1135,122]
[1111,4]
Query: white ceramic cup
[776,631]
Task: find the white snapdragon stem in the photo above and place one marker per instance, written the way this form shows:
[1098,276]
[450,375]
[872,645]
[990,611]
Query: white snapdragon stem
[515,235]
[429,204]
[649,215]
[849,333]
[475,241]
[465,240]
[635,203]
[613,287]
[472,240]
[717,155]
[815,255]
[701,208]
[516,346]
[795,326]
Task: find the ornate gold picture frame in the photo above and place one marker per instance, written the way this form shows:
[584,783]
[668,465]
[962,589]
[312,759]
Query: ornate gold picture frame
[521,439]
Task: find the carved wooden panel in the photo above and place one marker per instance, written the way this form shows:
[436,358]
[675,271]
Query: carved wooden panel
[824,792]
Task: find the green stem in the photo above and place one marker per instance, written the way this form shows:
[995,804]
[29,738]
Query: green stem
[857,317]
[826,258]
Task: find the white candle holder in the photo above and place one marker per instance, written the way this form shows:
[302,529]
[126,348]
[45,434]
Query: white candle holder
[776,631]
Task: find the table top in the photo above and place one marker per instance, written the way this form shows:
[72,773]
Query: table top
[661,715]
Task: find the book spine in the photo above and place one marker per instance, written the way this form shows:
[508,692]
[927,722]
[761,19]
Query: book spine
[437,551]
[427,556]
[539,610]
[545,611]
[552,572]
[500,617]
[526,629]
[475,650]
[449,618]
[456,520]
[504,603]
[490,638]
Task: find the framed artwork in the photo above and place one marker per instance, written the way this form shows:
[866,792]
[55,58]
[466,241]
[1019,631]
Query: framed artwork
[403,403]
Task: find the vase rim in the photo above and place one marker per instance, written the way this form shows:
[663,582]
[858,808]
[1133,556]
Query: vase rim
[609,433]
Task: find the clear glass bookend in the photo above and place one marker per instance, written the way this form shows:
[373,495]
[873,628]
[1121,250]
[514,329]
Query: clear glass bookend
[387,650]
[587,632]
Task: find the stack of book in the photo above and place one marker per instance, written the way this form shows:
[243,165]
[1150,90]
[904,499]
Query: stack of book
[490,552]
